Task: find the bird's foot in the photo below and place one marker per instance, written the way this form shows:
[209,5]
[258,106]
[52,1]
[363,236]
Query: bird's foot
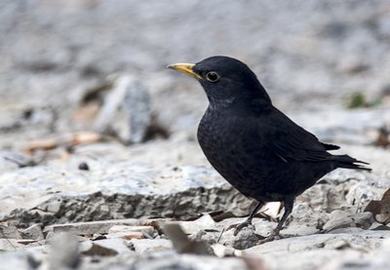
[238,227]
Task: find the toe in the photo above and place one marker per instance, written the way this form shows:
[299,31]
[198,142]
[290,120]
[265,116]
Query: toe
[231,227]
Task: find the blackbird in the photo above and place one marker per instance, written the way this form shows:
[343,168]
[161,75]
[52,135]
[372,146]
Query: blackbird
[254,146]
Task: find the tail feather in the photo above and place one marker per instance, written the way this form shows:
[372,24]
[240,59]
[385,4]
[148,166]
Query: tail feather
[347,162]
[329,146]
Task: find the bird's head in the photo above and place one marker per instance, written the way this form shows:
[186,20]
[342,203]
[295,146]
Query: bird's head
[226,81]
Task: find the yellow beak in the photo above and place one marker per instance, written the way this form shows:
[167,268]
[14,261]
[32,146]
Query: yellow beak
[185,68]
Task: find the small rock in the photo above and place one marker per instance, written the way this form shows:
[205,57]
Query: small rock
[338,219]
[222,251]
[130,232]
[362,193]
[375,260]
[84,166]
[209,236]
[246,238]
[347,230]
[10,160]
[64,252]
[182,243]
[129,105]
[363,220]
[33,232]
[92,249]
[138,106]
[379,226]
[337,244]
[106,247]
[126,235]
[298,230]
[192,262]
[9,232]
[124,228]
[26,241]
[10,244]
[90,228]
[205,222]
[19,260]
[148,246]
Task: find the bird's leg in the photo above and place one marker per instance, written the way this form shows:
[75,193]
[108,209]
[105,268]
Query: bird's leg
[248,221]
[288,207]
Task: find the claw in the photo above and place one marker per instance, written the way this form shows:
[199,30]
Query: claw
[238,227]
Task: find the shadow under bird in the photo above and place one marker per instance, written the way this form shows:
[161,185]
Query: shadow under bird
[253,145]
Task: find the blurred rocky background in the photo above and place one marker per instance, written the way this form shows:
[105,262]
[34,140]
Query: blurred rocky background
[98,146]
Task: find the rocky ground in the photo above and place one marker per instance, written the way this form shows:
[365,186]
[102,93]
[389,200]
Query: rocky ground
[99,164]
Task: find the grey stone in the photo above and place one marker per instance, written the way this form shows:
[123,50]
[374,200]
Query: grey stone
[16,260]
[379,226]
[378,259]
[342,219]
[187,262]
[125,228]
[93,249]
[137,103]
[353,127]
[89,228]
[105,247]
[177,151]
[9,244]
[33,232]
[298,230]
[362,240]
[308,259]
[182,243]
[117,190]
[209,236]
[315,251]
[246,238]
[126,110]
[10,160]
[148,246]
[132,232]
[205,222]
[224,251]
[64,252]
[9,232]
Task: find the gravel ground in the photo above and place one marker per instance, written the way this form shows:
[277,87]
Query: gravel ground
[99,162]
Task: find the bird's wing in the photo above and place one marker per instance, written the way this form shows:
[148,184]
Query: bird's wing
[291,142]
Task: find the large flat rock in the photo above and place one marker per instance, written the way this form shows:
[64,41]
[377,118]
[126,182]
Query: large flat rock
[118,190]
[322,250]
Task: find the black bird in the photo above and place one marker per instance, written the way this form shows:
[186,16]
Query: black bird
[253,145]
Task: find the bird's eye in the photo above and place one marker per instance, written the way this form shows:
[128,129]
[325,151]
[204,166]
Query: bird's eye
[212,76]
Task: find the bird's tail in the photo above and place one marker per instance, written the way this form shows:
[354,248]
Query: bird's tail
[347,162]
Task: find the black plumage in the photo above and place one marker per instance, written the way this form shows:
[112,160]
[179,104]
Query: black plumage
[254,146]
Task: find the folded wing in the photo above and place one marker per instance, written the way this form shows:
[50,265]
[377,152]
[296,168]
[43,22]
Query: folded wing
[293,143]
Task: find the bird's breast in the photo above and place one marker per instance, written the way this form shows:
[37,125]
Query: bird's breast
[229,147]
[216,136]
